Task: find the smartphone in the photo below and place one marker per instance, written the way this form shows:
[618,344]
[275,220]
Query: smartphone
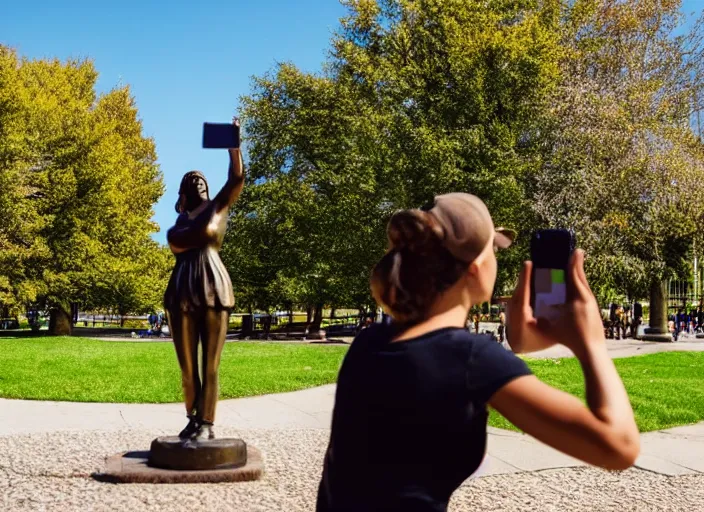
[221,135]
[550,252]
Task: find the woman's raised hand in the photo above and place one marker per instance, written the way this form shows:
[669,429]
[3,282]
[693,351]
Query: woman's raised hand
[575,325]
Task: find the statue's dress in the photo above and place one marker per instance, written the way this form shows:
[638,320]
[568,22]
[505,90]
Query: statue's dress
[199,279]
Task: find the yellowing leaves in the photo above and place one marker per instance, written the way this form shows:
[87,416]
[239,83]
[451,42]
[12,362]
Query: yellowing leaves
[82,178]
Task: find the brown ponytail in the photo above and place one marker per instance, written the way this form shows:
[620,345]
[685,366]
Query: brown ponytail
[416,269]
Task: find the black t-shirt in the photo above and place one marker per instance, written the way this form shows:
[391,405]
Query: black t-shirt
[409,424]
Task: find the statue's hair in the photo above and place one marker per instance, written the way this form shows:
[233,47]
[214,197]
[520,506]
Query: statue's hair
[185,181]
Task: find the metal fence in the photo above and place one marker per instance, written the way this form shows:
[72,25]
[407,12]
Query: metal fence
[683,295]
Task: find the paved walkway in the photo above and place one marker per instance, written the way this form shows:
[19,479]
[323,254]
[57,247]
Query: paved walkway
[629,348]
[677,451]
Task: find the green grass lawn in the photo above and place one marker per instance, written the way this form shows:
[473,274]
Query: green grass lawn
[84,370]
[665,389]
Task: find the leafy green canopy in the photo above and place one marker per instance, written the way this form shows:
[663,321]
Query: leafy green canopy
[78,181]
[417,98]
[619,160]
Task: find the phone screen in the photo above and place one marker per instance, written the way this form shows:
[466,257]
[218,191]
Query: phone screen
[550,253]
[550,290]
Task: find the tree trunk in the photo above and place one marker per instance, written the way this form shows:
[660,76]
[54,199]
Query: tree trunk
[247,326]
[314,330]
[658,312]
[267,326]
[309,313]
[59,322]
[74,313]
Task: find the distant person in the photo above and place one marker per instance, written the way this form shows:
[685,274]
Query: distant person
[502,325]
[627,321]
[637,319]
[606,323]
[620,329]
[612,320]
[409,424]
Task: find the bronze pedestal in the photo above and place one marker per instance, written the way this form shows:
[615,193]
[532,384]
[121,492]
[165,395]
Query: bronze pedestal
[134,467]
[175,453]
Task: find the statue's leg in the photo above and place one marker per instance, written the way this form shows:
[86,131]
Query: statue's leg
[214,330]
[184,331]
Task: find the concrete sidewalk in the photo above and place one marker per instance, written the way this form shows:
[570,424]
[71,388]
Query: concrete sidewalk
[628,348]
[677,451]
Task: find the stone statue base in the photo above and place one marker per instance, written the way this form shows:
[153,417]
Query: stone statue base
[174,453]
[655,334]
[172,460]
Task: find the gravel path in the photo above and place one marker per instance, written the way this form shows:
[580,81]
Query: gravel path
[52,472]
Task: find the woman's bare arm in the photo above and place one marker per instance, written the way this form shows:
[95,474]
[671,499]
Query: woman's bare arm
[181,239]
[604,434]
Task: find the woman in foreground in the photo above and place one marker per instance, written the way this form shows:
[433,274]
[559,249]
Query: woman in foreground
[410,417]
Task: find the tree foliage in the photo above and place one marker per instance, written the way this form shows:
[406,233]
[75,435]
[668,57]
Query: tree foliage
[79,183]
[557,114]
[417,98]
[620,162]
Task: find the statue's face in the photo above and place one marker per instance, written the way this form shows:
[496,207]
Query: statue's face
[196,192]
[202,189]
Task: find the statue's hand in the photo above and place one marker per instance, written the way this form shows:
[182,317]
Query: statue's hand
[235,149]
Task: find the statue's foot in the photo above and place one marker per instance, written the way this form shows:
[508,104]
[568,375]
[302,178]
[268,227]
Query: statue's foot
[205,431]
[191,429]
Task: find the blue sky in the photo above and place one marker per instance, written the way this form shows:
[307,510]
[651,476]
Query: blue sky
[186,62]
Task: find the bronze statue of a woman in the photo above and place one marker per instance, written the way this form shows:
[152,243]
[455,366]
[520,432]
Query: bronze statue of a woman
[199,296]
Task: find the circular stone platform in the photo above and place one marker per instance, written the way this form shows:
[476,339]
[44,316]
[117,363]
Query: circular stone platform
[174,453]
[662,338]
[133,467]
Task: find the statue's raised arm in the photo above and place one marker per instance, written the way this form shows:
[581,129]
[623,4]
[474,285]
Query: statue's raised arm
[235,179]
[202,221]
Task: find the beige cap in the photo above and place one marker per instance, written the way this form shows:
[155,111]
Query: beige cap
[467,224]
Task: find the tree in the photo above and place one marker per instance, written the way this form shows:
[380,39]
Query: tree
[20,223]
[133,285]
[305,213]
[418,98]
[620,162]
[453,87]
[85,181]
